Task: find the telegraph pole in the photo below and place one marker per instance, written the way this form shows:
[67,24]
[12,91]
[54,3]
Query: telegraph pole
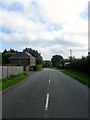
[70,53]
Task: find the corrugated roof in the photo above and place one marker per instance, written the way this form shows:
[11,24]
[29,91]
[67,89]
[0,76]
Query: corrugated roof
[21,55]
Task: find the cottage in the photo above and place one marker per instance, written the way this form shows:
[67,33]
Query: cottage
[23,59]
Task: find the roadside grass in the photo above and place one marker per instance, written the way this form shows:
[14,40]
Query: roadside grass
[85,79]
[13,79]
[54,68]
[0,85]
[39,67]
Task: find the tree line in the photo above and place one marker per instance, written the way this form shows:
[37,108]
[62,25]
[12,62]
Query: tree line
[6,54]
[36,54]
[79,65]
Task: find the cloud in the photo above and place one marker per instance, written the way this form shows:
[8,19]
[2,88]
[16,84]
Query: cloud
[11,6]
[5,30]
[52,27]
[16,22]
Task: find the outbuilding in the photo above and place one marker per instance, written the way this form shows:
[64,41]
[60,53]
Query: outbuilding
[24,59]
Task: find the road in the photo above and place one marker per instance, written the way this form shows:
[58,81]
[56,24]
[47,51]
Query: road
[46,94]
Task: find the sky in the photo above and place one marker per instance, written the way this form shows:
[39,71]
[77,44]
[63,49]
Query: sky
[52,27]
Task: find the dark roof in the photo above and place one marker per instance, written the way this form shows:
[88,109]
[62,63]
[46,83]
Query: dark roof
[21,55]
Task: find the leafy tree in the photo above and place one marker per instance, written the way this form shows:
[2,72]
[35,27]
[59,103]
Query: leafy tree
[0,58]
[35,53]
[57,61]
[81,65]
[6,55]
[5,51]
[47,63]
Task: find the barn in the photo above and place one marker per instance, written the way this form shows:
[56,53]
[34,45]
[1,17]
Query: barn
[24,59]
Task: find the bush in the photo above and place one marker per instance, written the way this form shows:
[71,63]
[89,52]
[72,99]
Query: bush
[38,68]
[81,65]
[9,81]
[13,76]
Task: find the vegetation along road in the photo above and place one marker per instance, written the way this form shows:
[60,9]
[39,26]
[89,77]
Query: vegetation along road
[46,94]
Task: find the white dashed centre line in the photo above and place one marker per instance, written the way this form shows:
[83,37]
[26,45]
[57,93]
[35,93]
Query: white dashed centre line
[47,102]
[49,81]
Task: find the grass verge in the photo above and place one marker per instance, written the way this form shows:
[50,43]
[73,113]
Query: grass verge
[38,68]
[0,85]
[13,79]
[85,79]
[54,68]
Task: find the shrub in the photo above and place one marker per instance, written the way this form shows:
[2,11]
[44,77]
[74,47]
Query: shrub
[38,68]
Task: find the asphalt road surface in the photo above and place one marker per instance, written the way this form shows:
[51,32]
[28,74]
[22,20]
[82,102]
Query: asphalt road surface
[46,94]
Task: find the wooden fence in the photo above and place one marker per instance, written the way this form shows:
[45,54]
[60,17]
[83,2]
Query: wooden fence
[6,71]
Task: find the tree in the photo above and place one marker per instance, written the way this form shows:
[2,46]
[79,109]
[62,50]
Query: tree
[81,65]
[47,63]
[35,53]
[6,55]
[0,58]
[5,51]
[57,61]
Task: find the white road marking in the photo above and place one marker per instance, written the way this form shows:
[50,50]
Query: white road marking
[49,81]
[47,101]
